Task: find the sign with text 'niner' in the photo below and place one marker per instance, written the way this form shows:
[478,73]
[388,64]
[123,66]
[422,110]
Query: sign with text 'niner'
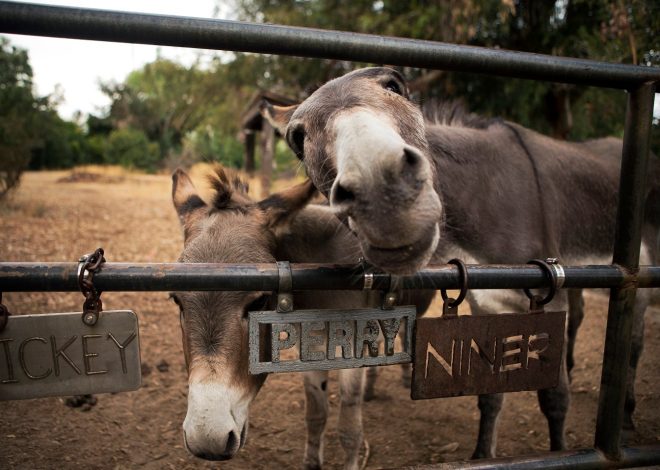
[329,339]
[56,354]
[472,355]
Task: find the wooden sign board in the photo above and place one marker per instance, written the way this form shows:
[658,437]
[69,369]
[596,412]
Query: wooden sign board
[329,339]
[473,355]
[56,354]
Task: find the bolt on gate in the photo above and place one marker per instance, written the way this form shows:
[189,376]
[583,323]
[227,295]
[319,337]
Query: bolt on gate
[623,277]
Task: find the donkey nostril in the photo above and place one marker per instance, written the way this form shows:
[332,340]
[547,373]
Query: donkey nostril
[411,157]
[342,195]
[232,443]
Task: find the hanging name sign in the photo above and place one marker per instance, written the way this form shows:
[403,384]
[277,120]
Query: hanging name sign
[56,354]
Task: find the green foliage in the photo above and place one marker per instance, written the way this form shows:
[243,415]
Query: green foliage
[211,146]
[62,144]
[132,149]
[18,109]
[614,31]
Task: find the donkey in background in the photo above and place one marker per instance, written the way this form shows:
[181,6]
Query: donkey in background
[419,186]
[235,229]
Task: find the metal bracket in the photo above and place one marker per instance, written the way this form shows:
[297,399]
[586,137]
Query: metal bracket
[284,287]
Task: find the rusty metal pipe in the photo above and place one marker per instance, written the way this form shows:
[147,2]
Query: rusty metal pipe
[637,456]
[34,277]
[117,26]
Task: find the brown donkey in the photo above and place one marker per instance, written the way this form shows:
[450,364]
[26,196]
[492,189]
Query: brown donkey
[234,229]
[419,186]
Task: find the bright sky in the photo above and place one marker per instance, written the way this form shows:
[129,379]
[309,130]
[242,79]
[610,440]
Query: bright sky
[76,67]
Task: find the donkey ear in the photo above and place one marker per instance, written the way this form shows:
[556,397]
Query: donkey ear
[281,207]
[277,116]
[189,206]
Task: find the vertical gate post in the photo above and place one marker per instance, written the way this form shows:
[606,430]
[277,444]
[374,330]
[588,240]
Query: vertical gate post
[267,155]
[628,236]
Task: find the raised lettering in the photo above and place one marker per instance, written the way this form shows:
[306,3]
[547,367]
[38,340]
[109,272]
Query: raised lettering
[277,343]
[122,348]
[21,358]
[366,333]
[10,367]
[87,356]
[340,334]
[60,352]
[307,340]
[390,329]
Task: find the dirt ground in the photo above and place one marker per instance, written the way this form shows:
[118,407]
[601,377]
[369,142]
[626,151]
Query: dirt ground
[132,218]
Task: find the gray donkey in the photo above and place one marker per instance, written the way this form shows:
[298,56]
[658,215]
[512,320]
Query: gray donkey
[421,187]
[235,229]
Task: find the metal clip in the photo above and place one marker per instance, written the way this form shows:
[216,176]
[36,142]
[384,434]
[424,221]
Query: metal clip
[556,274]
[368,277]
[449,305]
[88,265]
[285,287]
[4,315]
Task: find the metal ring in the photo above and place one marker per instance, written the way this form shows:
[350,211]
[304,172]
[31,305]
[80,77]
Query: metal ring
[545,266]
[462,269]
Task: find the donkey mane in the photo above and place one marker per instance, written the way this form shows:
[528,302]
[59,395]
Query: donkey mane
[454,113]
[230,190]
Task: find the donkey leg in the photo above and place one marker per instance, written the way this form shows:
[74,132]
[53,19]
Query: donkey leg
[554,405]
[642,300]
[316,415]
[489,406]
[370,383]
[351,382]
[575,317]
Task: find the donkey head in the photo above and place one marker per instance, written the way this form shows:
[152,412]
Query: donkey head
[364,146]
[232,229]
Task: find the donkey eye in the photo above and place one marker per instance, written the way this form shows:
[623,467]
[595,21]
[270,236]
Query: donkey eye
[394,87]
[297,141]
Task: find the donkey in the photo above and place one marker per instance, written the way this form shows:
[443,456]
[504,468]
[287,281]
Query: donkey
[419,186]
[235,229]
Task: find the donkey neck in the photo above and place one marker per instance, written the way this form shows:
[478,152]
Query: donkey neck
[315,235]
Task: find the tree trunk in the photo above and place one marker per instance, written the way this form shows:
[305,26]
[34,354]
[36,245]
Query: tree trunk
[249,152]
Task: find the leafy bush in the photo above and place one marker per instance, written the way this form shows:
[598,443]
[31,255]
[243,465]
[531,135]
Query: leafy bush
[130,148]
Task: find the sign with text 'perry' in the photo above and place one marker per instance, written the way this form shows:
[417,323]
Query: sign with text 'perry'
[57,354]
[329,339]
[473,355]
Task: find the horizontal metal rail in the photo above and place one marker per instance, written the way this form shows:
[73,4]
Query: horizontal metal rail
[62,277]
[637,456]
[104,25]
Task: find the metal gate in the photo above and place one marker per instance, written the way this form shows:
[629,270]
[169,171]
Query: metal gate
[624,277]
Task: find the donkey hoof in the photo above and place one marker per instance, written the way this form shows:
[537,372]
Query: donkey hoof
[628,423]
[480,454]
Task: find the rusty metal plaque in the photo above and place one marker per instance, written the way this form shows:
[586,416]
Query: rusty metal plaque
[472,355]
[57,354]
[329,339]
